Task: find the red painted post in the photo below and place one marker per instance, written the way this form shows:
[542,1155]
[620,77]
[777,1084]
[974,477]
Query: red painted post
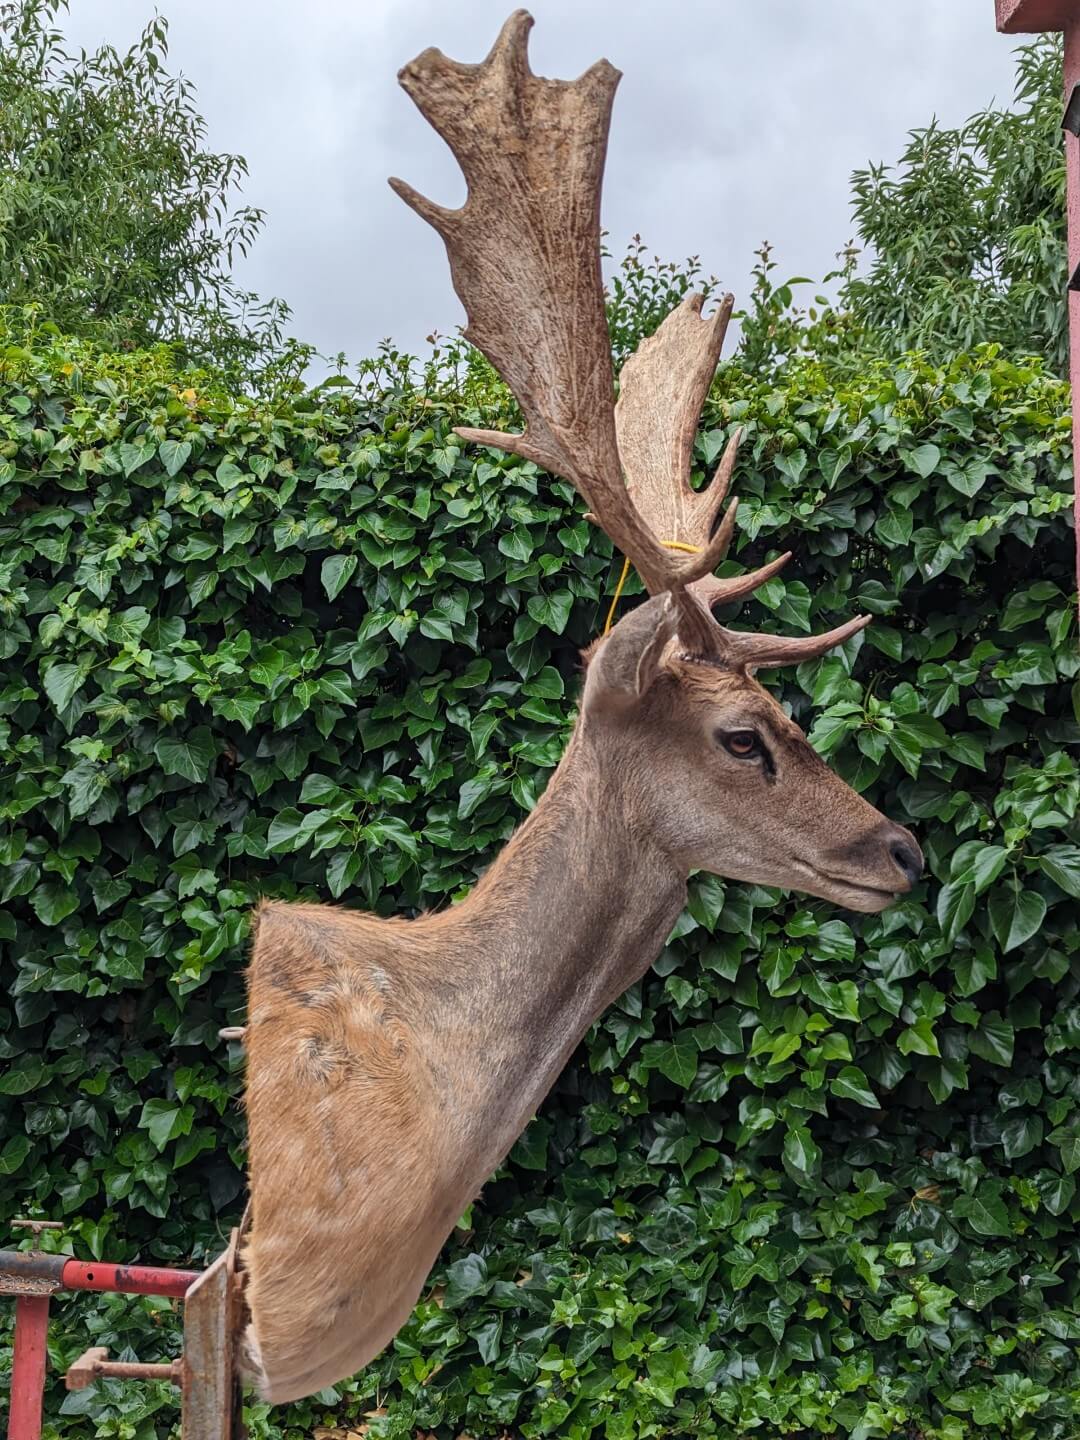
[1030,17]
[28,1366]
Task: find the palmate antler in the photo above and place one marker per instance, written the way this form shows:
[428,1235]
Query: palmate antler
[524,255]
[662,389]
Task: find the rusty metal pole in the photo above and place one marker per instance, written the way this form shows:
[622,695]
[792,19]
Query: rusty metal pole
[1032,17]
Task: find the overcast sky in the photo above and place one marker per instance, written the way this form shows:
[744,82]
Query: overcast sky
[736,121]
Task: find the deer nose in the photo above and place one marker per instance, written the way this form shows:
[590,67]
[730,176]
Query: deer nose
[906,856]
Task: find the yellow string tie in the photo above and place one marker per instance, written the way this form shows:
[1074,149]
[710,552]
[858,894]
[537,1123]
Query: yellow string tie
[668,545]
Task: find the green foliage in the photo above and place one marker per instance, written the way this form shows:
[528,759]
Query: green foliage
[117,221]
[967,236]
[643,290]
[774,329]
[965,239]
[816,1173]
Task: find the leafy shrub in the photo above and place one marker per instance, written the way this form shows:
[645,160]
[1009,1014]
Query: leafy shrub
[118,221]
[966,234]
[816,1172]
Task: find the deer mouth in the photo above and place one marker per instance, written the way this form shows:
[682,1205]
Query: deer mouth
[853,894]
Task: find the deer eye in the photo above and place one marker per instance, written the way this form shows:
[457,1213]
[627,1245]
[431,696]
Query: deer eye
[743,744]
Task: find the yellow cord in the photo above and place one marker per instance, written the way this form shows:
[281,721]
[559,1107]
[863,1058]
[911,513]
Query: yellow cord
[669,545]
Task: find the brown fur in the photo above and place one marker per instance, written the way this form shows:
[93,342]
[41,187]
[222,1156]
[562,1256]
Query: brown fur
[392,1064]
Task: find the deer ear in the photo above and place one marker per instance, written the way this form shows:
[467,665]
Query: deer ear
[628,660]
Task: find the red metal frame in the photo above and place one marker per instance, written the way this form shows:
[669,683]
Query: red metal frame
[31,1277]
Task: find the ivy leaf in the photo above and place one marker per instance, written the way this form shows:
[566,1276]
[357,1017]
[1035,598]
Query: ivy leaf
[1020,1134]
[531,1149]
[551,610]
[994,1040]
[337,571]
[677,1059]
[517,544]
[26,1074]
[955,904]
[852,1084]
[1056,1191]
[972,969]
[54,902]
[16,1149]
[191,756]
[985,1210]
[1068,1143]
[132,457]
[342,871]
[465,1278]
[918,1039]
[63,682]
[924,460]
[165,1120]
[777,967]
[391,830]
[979,866]
[474,792]
[286,830]
[1015,915]
[801,1152]
[174,455]
[1062,864]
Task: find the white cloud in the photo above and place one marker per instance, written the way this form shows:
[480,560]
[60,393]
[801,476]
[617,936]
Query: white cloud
[735,122]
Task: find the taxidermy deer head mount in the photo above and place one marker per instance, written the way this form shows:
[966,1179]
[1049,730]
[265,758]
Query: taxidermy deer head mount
[392,1064]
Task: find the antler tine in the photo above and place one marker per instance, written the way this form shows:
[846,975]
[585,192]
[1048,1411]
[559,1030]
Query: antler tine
[721,481]
[661,391]
[711,590]
[662,388]
[754,651]
[524,255]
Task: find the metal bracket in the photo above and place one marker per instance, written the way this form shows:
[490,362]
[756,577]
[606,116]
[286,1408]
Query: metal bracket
[94,1364]
[213,1312]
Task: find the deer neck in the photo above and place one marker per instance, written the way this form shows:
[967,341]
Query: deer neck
[574,910]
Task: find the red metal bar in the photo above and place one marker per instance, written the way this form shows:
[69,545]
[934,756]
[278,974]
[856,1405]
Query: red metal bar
[28,1367]
[128,1279]
[1026,17]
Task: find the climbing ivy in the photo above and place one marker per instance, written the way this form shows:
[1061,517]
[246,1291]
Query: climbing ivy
[816,1173]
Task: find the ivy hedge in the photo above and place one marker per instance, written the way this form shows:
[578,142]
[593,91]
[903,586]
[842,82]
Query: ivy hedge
[816,1173]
